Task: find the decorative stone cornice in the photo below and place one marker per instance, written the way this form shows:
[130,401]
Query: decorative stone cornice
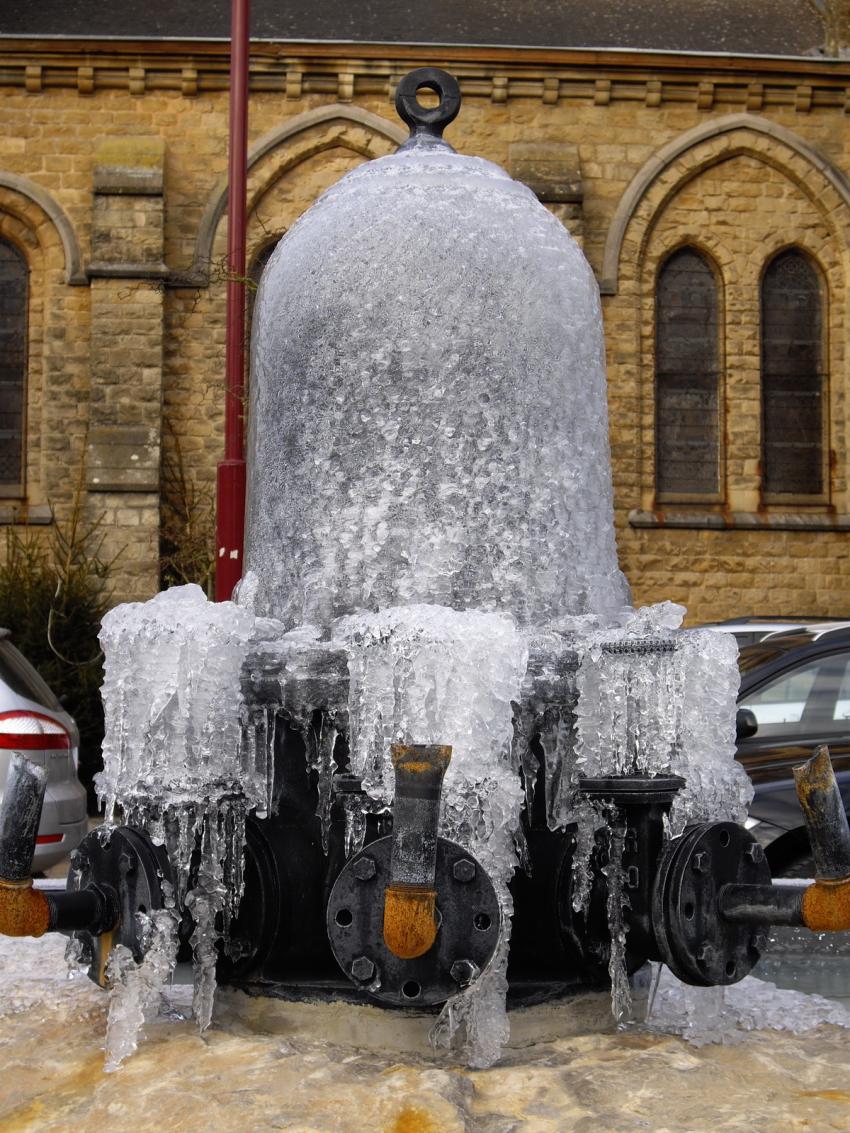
[343,72]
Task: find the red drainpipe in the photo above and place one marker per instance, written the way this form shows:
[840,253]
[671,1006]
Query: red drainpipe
[230,483]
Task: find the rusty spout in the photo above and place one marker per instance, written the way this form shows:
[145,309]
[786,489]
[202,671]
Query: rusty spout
[826,903]
[24,911]
[410,900]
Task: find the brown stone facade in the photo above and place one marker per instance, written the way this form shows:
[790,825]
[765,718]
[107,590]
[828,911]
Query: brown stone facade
[112,167]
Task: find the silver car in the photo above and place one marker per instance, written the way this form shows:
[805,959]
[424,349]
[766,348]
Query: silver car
[34,723]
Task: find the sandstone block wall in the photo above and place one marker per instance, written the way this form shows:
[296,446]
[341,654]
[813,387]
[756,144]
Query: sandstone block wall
[112,183]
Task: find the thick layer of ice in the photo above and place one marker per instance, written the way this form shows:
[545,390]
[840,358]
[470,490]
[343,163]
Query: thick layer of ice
[428,674]
[717,1014]
[176,767]
[649,699]
[172,698]
[429,415]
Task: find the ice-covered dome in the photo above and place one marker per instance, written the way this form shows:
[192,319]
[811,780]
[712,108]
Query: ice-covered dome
[428,418]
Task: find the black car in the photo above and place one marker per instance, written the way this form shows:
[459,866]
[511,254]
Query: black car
[795,695]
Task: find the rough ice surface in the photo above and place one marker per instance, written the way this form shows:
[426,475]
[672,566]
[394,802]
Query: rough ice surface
[426,674]
[174,763]
[722,1015]
[654,699]
[135,989]
[427,426]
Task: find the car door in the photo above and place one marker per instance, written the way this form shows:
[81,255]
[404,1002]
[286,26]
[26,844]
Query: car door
[798,708]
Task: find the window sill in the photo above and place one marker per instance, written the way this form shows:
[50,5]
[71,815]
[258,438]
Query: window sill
[25,515]
[739,521]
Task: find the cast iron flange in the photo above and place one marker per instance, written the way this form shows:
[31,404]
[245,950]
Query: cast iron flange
[698,945]
[469,922]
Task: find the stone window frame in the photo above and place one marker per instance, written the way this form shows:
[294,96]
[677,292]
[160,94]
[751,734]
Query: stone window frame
[722,263]
[660,495]
[630,252]
[16,489]
[33,220]
[813,499]
[17,228]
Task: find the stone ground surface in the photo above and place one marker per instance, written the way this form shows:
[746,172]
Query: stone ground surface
[328,1069]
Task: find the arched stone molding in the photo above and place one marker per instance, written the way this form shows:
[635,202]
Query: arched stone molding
[52,215]
[296,140]
[693,151]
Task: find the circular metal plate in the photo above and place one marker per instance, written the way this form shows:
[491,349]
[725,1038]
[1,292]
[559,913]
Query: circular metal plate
[697,944]
[469,923]
[128,863]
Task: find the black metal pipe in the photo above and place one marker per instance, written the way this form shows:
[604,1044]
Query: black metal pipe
[93,909]
[20,814]
[826,819]
[761,904]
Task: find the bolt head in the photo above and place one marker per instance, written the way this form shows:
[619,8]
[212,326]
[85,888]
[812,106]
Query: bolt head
[755,852]
[700,862]
[705,952]
[463,972]
[364,869]
[362,969]
[126,862]
[758,942]
[464,870]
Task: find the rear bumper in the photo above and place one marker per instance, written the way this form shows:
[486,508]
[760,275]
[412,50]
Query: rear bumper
[64,814]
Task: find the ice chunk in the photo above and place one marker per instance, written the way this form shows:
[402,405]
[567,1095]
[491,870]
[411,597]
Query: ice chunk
[716,1014]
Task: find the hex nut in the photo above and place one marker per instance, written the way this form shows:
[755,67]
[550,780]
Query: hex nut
[463,972]
[362,969]
[464,870]
[758,942]
[755,852]
[126,862]
[364,869]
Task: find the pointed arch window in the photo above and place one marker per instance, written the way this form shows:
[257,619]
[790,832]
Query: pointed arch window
[13,364]
[687,379]
[793,378]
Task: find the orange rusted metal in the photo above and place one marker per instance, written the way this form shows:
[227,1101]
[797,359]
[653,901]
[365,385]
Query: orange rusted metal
[410,921]
[23,910]
[826,905]
[409,757]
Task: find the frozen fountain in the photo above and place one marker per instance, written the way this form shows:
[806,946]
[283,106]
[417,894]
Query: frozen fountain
[430,757]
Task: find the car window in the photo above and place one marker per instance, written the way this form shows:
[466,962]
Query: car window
[779,705]
[22,679]
[810,700]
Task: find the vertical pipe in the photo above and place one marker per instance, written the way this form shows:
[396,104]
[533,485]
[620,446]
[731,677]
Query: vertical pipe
[20,814]
[826,820]
[230,485]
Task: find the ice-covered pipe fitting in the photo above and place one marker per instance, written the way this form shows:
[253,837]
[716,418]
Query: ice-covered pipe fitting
[826,903]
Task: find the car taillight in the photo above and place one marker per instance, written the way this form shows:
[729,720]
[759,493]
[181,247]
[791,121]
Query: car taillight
[49,839]
[32,731]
